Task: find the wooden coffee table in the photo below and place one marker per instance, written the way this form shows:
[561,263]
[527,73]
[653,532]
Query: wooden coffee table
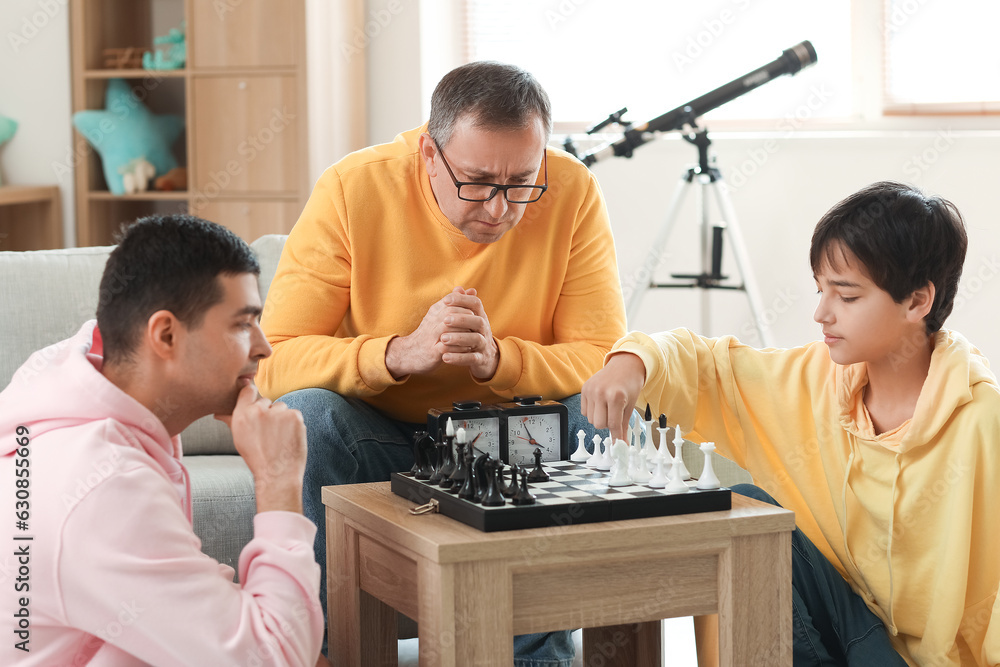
[471,592]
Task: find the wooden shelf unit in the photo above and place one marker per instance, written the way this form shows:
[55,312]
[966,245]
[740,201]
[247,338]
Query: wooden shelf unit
[242,94]
[30,217]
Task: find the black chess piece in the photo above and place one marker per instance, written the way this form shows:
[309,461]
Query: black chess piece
[510,489]
[461,471]
[416,458]
[435,477]
[449,462]
[493,497]
[479,478]
[422,448]
[501,480]
[538,474]
[468,489]
[523,496]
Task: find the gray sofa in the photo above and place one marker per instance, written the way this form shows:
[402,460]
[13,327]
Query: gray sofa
[45,296]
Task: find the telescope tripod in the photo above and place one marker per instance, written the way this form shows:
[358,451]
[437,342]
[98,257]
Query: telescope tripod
[708,178]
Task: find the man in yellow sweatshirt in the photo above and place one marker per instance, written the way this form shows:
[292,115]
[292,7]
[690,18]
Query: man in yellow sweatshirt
[462,261]
[884,438]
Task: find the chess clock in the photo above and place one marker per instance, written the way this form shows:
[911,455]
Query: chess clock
[529,423]
[481,424]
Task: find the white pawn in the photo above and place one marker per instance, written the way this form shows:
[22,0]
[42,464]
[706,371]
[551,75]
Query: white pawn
[595,458]
[708,479]
[641,474]
[606,461]
[581,453]
[620,475]
[676,483]
[659,477]
[679,466]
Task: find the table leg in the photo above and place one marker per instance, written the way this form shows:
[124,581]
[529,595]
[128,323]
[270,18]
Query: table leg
[362,629]
[466,614]
[755,601]
[638,644]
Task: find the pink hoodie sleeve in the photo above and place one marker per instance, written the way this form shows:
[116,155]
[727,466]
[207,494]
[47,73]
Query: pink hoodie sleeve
[132,573]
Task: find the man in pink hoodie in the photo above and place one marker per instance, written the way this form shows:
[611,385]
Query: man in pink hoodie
[109,570]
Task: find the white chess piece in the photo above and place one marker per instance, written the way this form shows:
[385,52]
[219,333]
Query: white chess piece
[708,479]
[581,453]
[640,473]
[676,483]
[679,466]
[659,479]
[663,453]
[650,445]
[606,461]
[619,477]
[595,458]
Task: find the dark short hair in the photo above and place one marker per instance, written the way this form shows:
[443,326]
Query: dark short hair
[904,238]
[165,263]
[496,95]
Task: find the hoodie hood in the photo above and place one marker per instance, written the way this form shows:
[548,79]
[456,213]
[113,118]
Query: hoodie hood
[956,367]
[61,386]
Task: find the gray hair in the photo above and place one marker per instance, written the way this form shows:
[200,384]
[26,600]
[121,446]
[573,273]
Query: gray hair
[496,95]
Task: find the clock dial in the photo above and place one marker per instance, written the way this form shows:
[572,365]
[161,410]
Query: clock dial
[484,434]
[525,433]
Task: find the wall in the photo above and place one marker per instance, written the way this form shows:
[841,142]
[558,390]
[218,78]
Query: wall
[35,91]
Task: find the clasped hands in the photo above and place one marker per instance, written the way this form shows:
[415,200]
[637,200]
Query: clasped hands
[455,331]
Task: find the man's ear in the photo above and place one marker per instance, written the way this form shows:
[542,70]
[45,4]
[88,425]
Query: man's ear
[162,334]
[921,302]
[428,150]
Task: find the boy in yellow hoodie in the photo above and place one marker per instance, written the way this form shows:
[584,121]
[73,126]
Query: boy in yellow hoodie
[884,438]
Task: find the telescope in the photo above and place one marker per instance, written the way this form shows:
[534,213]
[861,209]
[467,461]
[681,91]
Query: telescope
[789,62]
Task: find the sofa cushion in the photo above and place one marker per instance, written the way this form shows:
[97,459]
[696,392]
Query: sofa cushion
[223,505]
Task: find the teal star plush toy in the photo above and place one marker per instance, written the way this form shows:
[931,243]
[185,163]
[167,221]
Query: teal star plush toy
[126,131]
[8,126]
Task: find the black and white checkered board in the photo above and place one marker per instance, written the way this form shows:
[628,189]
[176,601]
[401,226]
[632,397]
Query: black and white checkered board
[574,494]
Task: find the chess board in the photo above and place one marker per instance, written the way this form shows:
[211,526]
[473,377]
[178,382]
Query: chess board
[574,494]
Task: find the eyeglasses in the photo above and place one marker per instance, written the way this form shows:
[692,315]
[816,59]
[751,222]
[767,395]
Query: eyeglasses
[514,194]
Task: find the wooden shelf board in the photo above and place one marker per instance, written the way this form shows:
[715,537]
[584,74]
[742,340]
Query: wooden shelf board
[134,73]
[26,194]
[142,196]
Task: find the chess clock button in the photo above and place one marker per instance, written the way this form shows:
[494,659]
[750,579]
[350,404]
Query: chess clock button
[530,423]
[481,424]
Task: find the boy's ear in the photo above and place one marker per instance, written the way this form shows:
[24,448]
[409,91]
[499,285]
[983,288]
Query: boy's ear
[162,330]
[921,302]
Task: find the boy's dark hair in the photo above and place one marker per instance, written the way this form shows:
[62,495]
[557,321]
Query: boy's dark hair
[496,95]
[165,263]
[904,238]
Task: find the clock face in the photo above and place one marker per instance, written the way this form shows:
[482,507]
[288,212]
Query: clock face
[525,433]
[483,433]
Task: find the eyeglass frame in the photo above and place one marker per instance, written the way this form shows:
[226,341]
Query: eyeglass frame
[496,186]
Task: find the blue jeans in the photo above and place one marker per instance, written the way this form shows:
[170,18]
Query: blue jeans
[831,624]
[351,442]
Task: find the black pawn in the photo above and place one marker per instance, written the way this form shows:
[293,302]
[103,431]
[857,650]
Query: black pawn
[493,497]
[538,474]
[523,496]
[510,489]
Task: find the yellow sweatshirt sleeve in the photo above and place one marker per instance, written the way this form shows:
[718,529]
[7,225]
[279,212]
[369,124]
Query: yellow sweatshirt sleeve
[589,315]
[308,299]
